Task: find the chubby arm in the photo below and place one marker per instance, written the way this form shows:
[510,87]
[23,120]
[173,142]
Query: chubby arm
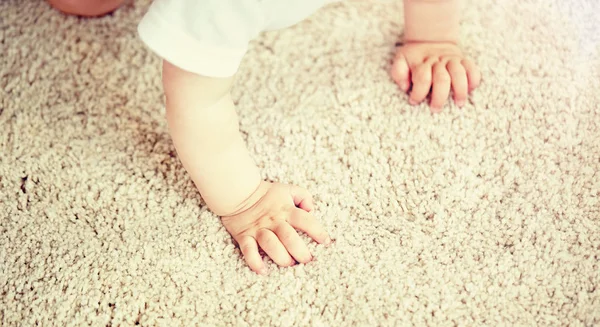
[431,20]
[204,127]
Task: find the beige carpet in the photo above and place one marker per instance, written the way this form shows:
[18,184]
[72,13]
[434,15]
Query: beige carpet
[485,216]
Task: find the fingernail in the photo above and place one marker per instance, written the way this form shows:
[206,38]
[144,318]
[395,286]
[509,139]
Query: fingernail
[264,271]
[403,86]
[327,241]
[412,102]
[460,103]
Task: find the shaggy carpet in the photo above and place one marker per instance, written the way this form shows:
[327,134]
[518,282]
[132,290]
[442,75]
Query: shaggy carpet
[482,216]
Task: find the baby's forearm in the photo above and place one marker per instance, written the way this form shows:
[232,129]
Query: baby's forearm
[204,127]
[431,20]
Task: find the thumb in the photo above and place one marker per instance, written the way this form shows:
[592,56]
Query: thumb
[401,72]
[302,198]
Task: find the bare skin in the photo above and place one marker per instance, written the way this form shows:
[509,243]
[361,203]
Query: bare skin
[86,8]
[271,222]
[204,127]
[429,61]
[434,68]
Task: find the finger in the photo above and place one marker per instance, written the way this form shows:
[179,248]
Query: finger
[473,74]
[421,79]
[441,86]
[401,72]
[460,84]
[293,243]
[307,223]
[249,249]
[302,198]
[272,246]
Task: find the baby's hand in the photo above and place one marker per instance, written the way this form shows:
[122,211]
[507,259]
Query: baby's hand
[270,224]
[435,67]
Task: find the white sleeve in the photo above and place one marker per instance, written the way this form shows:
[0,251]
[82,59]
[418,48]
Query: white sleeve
[206,37]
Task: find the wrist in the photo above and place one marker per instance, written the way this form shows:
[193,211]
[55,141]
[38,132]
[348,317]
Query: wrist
[251,200]
[431,21]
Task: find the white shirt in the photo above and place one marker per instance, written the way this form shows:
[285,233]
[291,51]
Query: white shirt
[210,37]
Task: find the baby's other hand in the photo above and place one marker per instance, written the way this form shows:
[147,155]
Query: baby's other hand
[436,67]
[270,224]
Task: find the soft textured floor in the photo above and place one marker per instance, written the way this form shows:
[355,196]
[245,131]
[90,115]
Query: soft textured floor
[484,216]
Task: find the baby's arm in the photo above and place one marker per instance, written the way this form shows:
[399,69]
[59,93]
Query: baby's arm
[431,20]
[430,59]
[204,127]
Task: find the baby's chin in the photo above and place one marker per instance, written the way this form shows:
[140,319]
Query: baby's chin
[86,8]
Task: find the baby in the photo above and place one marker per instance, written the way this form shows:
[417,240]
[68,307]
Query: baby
[202,43]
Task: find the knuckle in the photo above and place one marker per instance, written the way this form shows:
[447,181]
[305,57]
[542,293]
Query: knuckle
[431,59]
[442,76]
[422,76]
[244,231]
[267,219]
[287,237]
[268,242]
[246,249]
[262,234]
[456,70]
[257,224]
[271,219]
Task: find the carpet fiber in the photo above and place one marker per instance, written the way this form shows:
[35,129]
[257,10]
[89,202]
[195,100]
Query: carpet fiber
[482,216]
